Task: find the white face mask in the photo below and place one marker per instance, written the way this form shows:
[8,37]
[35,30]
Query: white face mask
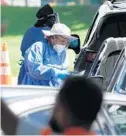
[59,48]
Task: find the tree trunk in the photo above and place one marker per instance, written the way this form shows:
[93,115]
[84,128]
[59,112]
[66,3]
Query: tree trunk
[81,1]
[26,3]
[12,2]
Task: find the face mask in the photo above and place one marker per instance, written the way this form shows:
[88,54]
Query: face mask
[59,48]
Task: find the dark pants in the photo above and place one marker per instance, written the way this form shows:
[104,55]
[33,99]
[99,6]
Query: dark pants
[21,73]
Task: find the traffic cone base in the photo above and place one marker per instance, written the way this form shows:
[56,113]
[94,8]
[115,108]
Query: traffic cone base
[6,80]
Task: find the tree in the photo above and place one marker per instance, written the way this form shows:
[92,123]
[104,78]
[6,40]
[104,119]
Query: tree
[26,2]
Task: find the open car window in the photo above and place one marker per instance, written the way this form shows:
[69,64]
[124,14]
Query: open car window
[85,60]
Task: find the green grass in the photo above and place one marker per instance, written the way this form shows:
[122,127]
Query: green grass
[13,43]
[78,18]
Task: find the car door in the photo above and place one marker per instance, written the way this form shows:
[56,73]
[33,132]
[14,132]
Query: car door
[115,106]
[118,114]
[120,84]
[38,116]
[118,81]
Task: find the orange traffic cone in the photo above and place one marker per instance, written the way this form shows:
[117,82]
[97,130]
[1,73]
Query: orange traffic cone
[5,71]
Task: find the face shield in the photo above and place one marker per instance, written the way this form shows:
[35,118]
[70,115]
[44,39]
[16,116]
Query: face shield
[52,19]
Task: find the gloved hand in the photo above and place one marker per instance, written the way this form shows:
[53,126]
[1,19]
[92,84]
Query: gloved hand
[55,66]
[63,75]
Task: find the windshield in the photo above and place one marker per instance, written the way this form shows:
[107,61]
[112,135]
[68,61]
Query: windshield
[120,85]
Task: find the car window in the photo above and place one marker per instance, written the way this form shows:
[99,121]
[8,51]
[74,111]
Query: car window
[90,31]
[39,117]
[85,61]
[120,85]
[98,16]
[105,67]
[118,114]
[109,26]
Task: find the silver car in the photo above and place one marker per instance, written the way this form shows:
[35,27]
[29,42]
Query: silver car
[111,120]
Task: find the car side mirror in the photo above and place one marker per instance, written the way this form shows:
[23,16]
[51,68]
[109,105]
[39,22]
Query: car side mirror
[75,45]
[98,79]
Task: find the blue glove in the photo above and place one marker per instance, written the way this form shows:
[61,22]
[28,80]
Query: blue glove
[63,75]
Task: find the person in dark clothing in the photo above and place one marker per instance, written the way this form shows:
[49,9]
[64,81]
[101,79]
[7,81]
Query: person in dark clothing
[77,105]
[9,120]
[11,124]
[45,20]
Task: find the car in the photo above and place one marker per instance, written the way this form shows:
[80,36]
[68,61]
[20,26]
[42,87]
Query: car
[115,81]
[109,21]
[106,58]
[38,111]
[98,62]
[19,98]
[18,93]
[109,17]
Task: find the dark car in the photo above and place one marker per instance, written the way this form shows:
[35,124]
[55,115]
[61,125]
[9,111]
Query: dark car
[115,81]
[106,59]
[109,21]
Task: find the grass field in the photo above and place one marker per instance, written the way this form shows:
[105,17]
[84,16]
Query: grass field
[78,18]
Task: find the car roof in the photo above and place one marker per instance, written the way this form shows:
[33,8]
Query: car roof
[19,107]
[109,7]
[22,92]
[111,45]
[26,105]
[120,4]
